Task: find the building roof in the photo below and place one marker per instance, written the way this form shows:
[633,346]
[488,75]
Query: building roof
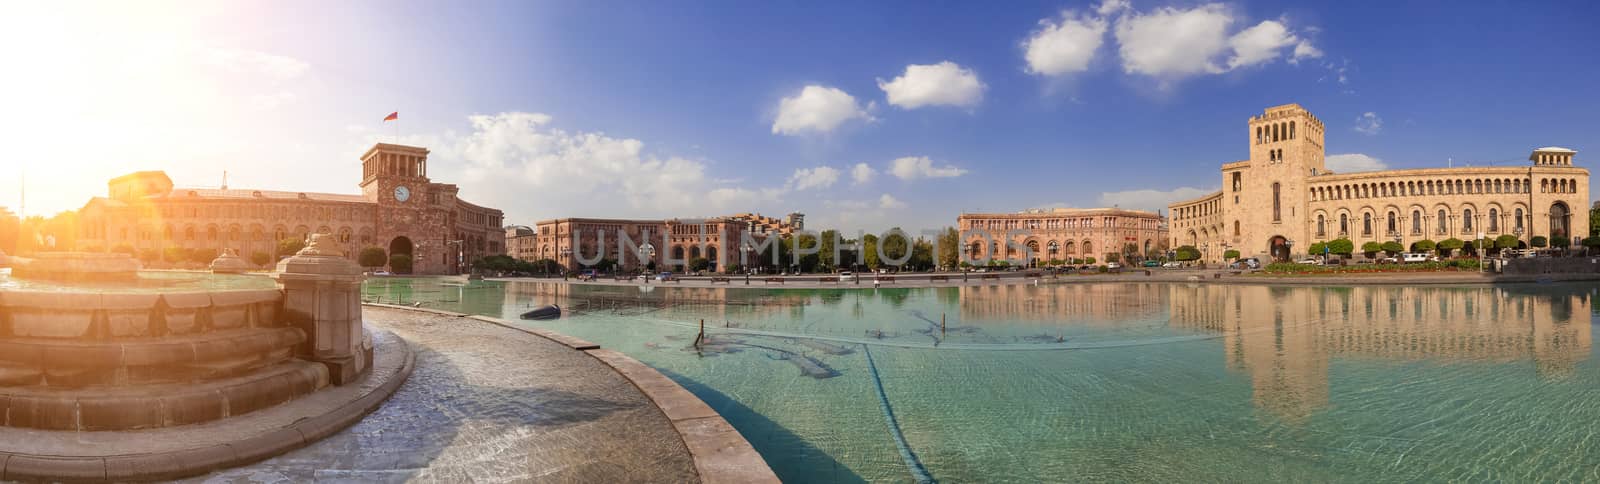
[1556,149]
[217,193]
[1034,212]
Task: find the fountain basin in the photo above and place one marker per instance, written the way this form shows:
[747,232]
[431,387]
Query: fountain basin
[76,266]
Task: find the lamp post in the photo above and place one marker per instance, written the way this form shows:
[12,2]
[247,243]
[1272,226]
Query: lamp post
[1480,251]
[745,261]
[647,252]
[566,256]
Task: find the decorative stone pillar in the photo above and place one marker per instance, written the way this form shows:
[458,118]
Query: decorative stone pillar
[322,296]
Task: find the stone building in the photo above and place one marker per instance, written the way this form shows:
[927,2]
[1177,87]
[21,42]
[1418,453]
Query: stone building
[716,239]
[1282,199]
[399,209]
[1063,234]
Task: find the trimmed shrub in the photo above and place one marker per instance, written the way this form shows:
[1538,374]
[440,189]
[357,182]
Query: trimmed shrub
[1539,241]
[1230,254]
[260,258]
[372,257]
[1342,247]
[400,263]
[1187,253]
[1393,248]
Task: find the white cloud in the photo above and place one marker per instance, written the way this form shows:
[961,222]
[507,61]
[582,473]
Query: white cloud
[914,167]
[819,177]
[888,202]
[1369,123]
[1067,46]
[508,156]
[862,173]
[1171,43]
[942,84]
[252,62]
[270,101]
[1109,7]
[1304,50]
[1354,162]
[1259,44]
[1150,200]
[816,109]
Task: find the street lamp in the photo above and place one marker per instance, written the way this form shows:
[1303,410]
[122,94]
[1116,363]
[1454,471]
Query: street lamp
[745,261]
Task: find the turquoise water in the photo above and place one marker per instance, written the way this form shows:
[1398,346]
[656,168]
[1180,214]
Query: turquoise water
[1135,381]
[146,282]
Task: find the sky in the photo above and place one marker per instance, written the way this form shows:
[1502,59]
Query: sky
[863,115]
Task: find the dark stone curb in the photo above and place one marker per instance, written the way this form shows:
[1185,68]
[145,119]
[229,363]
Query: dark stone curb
[200,460]
[721,455]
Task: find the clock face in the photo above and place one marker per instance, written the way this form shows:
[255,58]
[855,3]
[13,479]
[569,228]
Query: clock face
[402,193]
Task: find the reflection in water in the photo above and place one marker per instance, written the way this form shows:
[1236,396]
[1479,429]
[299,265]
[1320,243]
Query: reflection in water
[1284,337]
[1113,381]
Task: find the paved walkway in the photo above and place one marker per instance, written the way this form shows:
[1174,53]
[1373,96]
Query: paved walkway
[488,403]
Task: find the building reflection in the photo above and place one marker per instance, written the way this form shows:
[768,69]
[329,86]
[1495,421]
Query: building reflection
[1109,304]
[1284,338]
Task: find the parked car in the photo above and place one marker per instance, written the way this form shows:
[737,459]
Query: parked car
[1114,265]
[847,276]
[1411,257]
[1172,264]
[1247,263]
[664,276]
[644,277]
[1310,260]
[1151,263]
[1388,260]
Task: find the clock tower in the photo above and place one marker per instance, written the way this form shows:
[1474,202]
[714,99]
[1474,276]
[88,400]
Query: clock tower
[413,217]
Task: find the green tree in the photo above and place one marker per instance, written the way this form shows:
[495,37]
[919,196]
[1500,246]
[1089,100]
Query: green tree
[400,263]
[1594,221]
[949,247]
[1230,254]
[1113,257]
[149,255]
[1560,242]
[1393,248]
[1538,241]
[895,245]
[1090,260]
[1184,253]
[921,254]
[1449,245]
[699,264]
[1507,241]
[1317,248]
[372,257]
[1371,249]
[869,251]
[1424,245]
[260,258]
[829,241]
[288,247]
[175,254]
[1342,247]
[1592,242]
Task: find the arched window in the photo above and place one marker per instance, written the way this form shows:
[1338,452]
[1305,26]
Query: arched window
[1276,206]
[1366,224]
[1258,135]
[1443,221]
[1344,224]
[1466,220]
[1416,221]
[1392,226]
[1494,220]
[1519,219]
[1291,130]
[1319,225]
[1558,220]
[1235,228]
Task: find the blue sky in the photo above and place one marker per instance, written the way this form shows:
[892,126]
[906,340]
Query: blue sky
[648,109]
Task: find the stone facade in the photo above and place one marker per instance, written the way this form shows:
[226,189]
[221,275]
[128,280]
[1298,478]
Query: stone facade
[1283,198]
[1063,233]
[399,209]
[716,239]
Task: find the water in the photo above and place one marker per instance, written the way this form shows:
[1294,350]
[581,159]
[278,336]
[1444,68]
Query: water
[1135,381]
[145,282]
